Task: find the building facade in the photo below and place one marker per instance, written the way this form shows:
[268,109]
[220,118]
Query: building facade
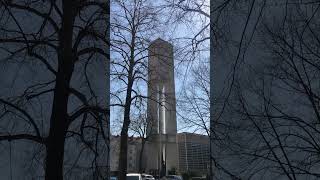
[134,148]
[194,153]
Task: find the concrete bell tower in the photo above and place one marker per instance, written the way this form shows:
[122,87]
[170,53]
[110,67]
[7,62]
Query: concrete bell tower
[161,89]
[162,124]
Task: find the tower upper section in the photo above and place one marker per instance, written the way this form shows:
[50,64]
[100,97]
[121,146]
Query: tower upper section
[161,89]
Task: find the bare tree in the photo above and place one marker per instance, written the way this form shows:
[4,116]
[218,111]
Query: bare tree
[54,99]
[194,106]
[133,23]
[190,13]
[139,126]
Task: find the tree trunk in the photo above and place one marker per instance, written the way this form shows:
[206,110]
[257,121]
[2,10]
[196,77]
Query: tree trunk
[59,117]
[58,128]
[141,155]
[124,135]
[126,118]
[55,151]
[123,155]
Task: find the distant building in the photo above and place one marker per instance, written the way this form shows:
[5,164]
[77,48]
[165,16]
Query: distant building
[134,147]
[194,152]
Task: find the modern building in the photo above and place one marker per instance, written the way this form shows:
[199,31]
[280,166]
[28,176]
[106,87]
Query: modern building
[194,152]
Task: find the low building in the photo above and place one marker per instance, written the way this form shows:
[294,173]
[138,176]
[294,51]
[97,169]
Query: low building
[194,153]
[134,147]
[192,149]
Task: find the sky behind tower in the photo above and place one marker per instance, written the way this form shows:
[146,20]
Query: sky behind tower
[179,31]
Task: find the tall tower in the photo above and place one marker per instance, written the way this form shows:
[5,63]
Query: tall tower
[161,89]
[162,124]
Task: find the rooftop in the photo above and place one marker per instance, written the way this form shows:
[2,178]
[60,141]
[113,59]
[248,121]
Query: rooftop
[160,41]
